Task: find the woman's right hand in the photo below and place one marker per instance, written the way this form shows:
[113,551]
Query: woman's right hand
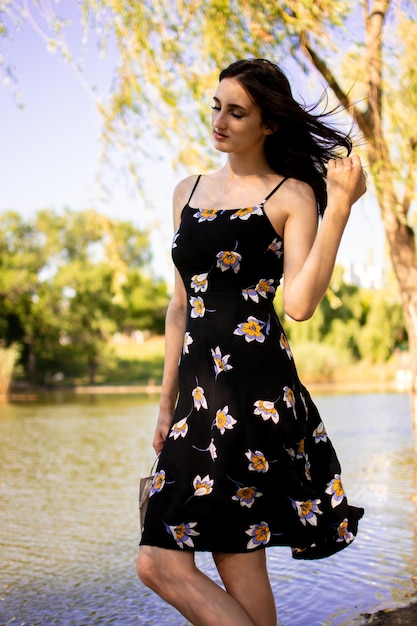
[161,431]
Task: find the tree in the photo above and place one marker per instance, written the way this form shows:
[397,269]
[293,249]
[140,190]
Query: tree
[68,282]
[96,260]
[372,75]
[364,51]
[22,258]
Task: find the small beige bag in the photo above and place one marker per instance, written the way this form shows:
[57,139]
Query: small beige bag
[145,486]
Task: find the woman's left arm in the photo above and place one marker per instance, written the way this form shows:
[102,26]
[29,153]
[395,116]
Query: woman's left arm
[310,255]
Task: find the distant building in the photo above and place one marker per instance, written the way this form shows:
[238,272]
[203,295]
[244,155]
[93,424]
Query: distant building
[364,275]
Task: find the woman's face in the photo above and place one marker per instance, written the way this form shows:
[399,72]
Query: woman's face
[236,119]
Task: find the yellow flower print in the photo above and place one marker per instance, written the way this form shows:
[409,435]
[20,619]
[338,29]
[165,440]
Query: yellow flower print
[199,282]
[335,489]
[199,398]
[158,482]
[206,215]
[246,496]
[276,247]
[244,214]
[265,286]
[250,292]
[251,330]
[258,462]
[320,433]
[344,533]
[223,420]
[182,533]
[289,399]
[299,453]
[179,429]
[284,345]
[260,535]
[266,409]
[188,340]
[228,259]
[198,308]
[262,288]
[220,362]
[203,486]
[307,511]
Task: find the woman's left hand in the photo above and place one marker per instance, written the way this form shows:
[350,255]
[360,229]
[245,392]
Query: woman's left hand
[346,181]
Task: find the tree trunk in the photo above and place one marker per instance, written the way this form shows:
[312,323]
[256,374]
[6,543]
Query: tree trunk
[92,370]
[394,212]
[403,254]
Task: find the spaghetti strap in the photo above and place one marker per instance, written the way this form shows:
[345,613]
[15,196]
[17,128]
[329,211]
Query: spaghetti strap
[274,189]
[194,188]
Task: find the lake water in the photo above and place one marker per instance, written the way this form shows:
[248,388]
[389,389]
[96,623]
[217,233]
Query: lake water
[69,468]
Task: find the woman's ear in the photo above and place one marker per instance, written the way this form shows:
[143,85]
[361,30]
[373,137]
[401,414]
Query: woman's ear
[270,128]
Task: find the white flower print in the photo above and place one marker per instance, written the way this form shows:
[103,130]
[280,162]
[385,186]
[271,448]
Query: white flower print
[199,282]
[179,429]
[276,247]
[199,398]
[223,420]
[188,340]
[203,486]
[266,409]
[220,362]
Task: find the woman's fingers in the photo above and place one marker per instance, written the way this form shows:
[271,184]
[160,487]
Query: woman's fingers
[346,179]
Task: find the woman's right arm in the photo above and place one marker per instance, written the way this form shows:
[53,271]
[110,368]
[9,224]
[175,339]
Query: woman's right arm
[174,341]
[174,333]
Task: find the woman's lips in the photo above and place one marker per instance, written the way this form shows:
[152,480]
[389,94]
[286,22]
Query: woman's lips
[219,136]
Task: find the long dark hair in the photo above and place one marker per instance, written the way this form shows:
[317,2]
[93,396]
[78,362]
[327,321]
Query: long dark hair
[302,144]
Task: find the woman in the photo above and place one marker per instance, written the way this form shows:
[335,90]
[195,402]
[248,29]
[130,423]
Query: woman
[245,461]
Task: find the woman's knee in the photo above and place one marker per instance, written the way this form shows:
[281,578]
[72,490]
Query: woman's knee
[147,566]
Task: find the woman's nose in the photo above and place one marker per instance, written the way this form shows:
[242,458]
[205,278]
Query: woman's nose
[219,119]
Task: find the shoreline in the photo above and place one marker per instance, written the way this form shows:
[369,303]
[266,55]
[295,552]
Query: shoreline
[153,389]
[401,616]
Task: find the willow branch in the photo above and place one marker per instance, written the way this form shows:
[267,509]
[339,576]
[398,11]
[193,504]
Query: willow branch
[335,86]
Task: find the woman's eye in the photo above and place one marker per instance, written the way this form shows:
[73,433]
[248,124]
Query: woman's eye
[237,116]
[216,108]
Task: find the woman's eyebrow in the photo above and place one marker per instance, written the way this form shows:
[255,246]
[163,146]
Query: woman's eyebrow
[231,105]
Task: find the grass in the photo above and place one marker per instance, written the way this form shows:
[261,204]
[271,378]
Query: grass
[132,363]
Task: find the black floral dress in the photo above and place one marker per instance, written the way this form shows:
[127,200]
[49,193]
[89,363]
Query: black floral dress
[247,463]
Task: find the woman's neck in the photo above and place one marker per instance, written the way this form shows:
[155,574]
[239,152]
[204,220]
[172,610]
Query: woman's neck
[240,165]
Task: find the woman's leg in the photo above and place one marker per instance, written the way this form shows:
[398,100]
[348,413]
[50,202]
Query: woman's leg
[174,576]
[245,577]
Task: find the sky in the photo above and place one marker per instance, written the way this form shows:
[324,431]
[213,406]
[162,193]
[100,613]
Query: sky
[50,149]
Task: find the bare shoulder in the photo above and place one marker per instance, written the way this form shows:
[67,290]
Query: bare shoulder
[181,194]
[183,188]
[294,201]
[298,194]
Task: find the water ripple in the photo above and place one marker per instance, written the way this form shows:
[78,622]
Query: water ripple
[69,528]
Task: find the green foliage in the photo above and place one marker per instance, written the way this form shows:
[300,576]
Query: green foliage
[319,362]
[68,282]
[350,324]
[140,363]
[169,54]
